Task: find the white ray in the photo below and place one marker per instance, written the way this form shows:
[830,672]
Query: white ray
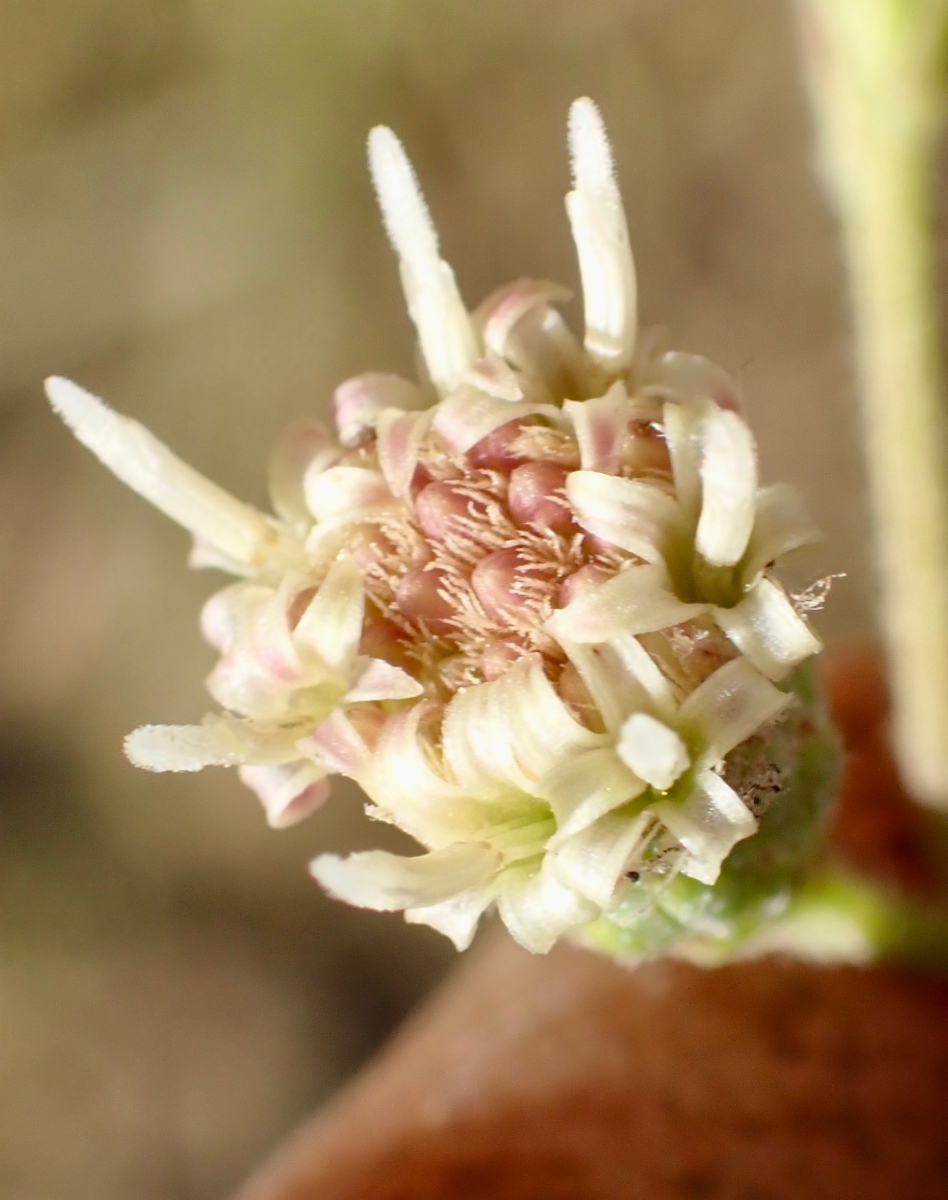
[597,218]
[434,302]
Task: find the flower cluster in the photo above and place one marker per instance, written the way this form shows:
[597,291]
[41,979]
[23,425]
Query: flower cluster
[527,604]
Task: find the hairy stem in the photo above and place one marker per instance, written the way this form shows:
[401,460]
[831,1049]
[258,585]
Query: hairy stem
[875,69]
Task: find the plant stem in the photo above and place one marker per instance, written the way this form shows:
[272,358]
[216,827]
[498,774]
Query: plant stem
[878,96]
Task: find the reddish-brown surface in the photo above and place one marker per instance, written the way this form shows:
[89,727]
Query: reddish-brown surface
[568,1078]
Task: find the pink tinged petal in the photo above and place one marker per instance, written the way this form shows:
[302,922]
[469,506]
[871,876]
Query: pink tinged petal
[781,525]
[593,861]
[226,612]
[399,437]
[346,492]
[709,824]
[376,680]
[539,909]
[331,626]
[627,513]
[288,793]
[602,241]
[236,531]
[468,415]
[303,446]
[684,377]
[536,496]
[768,630]
[585,787]
[337,745]
[637,600]
[420,597]
[389,883]
[601,427]
[507,306]
[730,706]
[653,751]
[434,302]
[358,402]
[456,918]
[493,376]
[728,488]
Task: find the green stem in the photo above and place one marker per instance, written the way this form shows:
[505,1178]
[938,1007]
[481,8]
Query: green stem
[876,81]
[840,917]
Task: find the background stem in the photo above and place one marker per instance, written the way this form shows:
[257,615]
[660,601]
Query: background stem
[875,69]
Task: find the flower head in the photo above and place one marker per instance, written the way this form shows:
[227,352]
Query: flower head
[527,603]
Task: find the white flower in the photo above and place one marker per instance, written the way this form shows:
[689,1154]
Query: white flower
[526,603]
[704,550]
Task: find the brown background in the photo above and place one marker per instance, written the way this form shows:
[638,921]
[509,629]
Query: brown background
[187,227]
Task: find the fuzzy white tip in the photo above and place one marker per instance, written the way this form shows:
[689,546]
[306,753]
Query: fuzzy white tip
[407,220]
[602,242]
[238,533]
[434,302]
[590,152]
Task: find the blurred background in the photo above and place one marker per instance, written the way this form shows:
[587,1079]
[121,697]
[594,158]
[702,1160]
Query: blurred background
[187,228]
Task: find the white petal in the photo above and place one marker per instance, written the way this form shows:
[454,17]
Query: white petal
[406,783]
[376,679]
[358,402]
[219,741]
[653,751]
[388,882]
[584,787]
[301,447]
[637,600]
[686,377]
[345,492]
[538,909]
[602,241]
[601,426]
[626,512]
[728,488]
[400,435]
[505,308]
[767,628]
[708,824]
[332,623]
[682,424]
[615,690]
[147,466]
[456,918]
[289,793]
[479,745]
[731,705]
[639,663]
[434,302]
[781,525]
[541,728]
[593,862]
